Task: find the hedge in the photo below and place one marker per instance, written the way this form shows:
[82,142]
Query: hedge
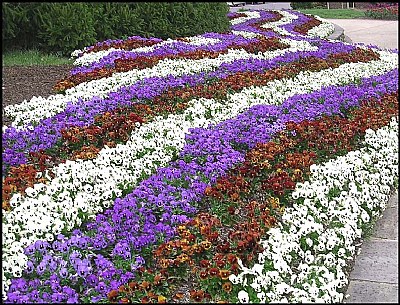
[65,26]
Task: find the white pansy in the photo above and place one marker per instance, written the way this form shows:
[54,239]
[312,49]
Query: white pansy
[323,30]
[243,296]
[335,244]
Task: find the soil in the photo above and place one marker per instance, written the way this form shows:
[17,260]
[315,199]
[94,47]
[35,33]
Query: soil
[21,83]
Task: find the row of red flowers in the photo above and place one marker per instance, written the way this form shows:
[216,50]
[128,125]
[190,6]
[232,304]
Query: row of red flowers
[115,127]
[124,64]
[241,207]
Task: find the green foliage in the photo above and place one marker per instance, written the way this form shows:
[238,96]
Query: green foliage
[62,27]
[12,16]
[307,5]
[178,19]
[113,21]
[65,26]
[19,30]
[301,5]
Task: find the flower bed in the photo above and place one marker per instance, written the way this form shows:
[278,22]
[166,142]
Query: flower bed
[235,171]
[385,11]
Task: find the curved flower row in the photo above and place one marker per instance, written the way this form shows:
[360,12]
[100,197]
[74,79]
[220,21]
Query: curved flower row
[87,58]
[89,174]
[31,112]
[17,144]
[129,43]
[310,25]
[81,261]
[98,88]
[319,231]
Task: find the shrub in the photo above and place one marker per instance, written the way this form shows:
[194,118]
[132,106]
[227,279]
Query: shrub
[115,20]
[176,19]
[66,26]
[301,5]
[307,5]
[19,28]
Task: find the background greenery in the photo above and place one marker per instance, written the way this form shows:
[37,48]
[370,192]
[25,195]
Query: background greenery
[334,13]
[63,27]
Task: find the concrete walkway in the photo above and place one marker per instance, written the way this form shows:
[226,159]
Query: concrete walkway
[382,33]
[266,6]
[374,278]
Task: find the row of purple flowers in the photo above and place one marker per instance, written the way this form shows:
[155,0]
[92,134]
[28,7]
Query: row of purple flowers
[106,252]
[180,46]
[18,143]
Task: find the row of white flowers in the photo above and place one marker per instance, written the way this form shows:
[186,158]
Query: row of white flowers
[309,250]
[81,184]
[323,30]
[277,25]
[87,58]
[39,108]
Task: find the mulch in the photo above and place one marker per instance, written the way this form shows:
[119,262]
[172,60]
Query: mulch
[21,83]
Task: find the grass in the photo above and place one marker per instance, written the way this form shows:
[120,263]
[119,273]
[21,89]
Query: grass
[334,13]
[32,58]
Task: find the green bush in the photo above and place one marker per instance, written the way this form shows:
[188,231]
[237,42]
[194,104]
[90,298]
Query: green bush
[301,5]
[65,26]
[307,5]
[19,28]
[62,27]
[176,19]
[115,20]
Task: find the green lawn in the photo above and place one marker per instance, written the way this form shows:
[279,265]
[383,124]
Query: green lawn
[31,58]
[334,13]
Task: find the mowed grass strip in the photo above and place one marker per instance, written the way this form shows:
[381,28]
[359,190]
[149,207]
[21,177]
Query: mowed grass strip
[32,58]
[334,13]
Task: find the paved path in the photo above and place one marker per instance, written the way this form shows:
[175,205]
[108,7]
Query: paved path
[375,277]
[266,6]
[382,33]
